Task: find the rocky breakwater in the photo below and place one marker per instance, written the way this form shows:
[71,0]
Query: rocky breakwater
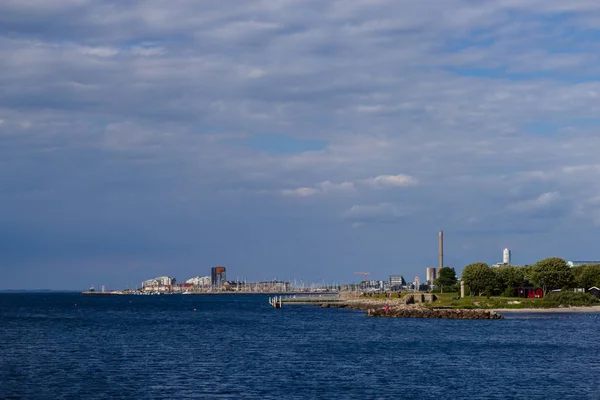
[425,312]
[397,309]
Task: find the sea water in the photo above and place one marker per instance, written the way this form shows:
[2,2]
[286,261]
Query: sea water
[71,346]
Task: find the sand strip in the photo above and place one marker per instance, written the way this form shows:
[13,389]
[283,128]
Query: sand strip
[589,309]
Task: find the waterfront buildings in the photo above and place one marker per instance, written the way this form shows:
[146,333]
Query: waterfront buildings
[396,282]
[218,276]
[158,281]
[373,285]
[199,281]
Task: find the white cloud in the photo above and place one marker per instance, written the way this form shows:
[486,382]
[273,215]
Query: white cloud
[325,187]
[578,169]
[147,51]
[389,181]
[300,192]
[99,51]
[544,200]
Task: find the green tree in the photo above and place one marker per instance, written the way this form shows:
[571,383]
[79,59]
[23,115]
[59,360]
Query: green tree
[508,277]
[446,277]
[551,273]
[478,276]
[586,276]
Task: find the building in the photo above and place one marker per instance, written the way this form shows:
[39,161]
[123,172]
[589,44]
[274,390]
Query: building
[161,284]
[149,283]
[218,277]
[595,291]
[274,286]
[159,281]
[506,259]
[199,281]
[396,282]
[530,292]
[372,285]
[573,264]
[431,275]
[165,281]
[506,256]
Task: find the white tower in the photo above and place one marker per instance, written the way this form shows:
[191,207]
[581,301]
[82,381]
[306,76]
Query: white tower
[506,256]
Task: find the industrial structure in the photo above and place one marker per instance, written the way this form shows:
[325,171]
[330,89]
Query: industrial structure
[441,249]
[364,274]
[506,259]
[506,256]
[431,275]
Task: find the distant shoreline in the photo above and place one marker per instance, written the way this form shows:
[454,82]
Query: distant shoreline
[8,291]
[119,293]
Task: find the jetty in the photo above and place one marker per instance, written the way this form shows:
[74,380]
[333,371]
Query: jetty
[425,312]
[317,299]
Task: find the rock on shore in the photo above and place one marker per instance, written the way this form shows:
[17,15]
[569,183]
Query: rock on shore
[375,308]
[433,313]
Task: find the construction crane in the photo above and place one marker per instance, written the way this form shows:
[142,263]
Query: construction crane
[364,274]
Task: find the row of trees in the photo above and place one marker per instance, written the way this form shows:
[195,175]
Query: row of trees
[548,274]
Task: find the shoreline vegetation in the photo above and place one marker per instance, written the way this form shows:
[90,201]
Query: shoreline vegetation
[447,306]
[452,300]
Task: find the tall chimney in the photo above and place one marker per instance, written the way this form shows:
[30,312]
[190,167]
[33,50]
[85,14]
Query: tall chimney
[441,240]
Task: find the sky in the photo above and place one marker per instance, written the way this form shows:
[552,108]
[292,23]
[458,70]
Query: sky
[293,139]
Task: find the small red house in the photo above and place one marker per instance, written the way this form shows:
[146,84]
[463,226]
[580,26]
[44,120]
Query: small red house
[530,292]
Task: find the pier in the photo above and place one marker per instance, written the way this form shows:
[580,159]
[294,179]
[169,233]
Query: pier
[319,299]
[275,302]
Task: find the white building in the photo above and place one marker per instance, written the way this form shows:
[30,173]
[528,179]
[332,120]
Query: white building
[397,280]
[506,256]
[159,281]
[573,264]
[199,281]
[165,280]
[149,283]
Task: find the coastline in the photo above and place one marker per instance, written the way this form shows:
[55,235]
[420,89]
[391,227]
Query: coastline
[557,310]
[375,307]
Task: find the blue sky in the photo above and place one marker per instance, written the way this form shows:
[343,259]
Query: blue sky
[293,139]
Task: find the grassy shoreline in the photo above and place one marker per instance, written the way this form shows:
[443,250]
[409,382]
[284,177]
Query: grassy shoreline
[573,303]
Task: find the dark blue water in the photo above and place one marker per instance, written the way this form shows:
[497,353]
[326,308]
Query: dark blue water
[69,346]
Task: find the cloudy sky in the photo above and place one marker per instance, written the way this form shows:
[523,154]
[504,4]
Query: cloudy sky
[293,139]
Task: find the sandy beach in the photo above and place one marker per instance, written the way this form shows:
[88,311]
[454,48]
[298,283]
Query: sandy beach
[589,309]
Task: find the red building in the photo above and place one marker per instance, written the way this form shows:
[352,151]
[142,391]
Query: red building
[530,292]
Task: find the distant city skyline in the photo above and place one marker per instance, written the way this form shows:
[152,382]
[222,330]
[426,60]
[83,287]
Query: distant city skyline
[293,140]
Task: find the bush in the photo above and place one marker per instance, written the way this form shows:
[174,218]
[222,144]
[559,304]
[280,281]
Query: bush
[509,292]
[566,298]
